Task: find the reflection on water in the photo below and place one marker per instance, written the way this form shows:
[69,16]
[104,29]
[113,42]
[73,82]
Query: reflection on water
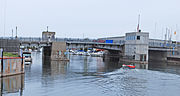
[164,67]
[93,76]
[54,67]
[12,84]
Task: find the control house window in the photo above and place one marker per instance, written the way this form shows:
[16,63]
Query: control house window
[138,37]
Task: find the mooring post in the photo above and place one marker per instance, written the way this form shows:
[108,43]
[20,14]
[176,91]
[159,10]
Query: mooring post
[1,62]
[21,53]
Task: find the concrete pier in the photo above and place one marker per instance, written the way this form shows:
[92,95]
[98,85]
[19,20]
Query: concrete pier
[57,51]
[11,66]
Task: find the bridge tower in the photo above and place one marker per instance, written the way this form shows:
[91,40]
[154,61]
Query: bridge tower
[136,45]
[48,36]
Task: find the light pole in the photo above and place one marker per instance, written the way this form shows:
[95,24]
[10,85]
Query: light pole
[16,32]
[12,33]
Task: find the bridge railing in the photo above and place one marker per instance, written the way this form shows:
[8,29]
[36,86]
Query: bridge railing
[152,42]
[162,44]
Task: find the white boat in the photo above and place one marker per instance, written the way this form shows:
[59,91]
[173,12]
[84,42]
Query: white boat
[97,54]
[27,56]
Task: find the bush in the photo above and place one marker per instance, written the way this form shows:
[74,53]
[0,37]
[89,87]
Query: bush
[9,54]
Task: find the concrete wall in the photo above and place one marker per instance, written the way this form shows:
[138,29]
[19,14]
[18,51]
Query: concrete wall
[58,50]
[11,66]
[157,55]
[178,50]
[9,45]
[47,51]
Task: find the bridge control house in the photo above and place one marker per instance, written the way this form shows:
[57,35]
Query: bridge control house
[48,36]
[136,45]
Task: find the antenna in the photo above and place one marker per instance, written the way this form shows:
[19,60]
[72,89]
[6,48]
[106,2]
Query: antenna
[138,23]
[166,35]
[47,28]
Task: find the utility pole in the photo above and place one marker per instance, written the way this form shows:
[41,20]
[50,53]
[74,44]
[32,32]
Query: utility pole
[16,32]
[47,28]
[12,33]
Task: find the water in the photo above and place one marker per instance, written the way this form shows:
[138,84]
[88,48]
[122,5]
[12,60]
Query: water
[91,76]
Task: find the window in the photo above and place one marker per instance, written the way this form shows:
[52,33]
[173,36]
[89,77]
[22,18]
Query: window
[131,38]
[138,37]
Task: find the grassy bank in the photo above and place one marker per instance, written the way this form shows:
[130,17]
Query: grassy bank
[7,54]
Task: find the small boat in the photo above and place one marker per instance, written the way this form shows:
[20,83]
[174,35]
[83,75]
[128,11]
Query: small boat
[129,66]
[97,54]
[27,56]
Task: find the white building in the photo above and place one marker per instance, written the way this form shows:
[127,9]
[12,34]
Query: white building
[136,45]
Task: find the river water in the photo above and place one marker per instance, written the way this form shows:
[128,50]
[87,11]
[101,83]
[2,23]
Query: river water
[91,76]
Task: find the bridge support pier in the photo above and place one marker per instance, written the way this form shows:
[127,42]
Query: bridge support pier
[157,55]
[57,51]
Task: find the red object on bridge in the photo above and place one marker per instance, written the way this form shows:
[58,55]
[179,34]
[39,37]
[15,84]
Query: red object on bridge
[129,66]
[101,41]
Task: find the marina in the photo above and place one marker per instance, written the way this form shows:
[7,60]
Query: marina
[89,48]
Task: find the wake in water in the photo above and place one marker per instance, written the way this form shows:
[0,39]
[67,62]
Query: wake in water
[121,71]
[139,82]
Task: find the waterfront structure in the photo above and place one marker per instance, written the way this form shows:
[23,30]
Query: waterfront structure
[11,66]
[10,45]
[48,36]
[136,45]
[57,51]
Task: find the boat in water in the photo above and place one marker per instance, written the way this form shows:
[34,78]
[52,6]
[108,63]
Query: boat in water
[27,56]
[129,66]
[97,54]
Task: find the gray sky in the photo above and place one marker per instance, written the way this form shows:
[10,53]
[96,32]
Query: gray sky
[93,18]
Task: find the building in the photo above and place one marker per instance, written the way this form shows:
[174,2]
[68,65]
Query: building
[48,36]
[136,45]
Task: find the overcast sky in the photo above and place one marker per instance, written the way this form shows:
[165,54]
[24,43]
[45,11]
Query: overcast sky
[93,18]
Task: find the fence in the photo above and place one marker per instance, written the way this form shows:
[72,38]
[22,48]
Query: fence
[9,45]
